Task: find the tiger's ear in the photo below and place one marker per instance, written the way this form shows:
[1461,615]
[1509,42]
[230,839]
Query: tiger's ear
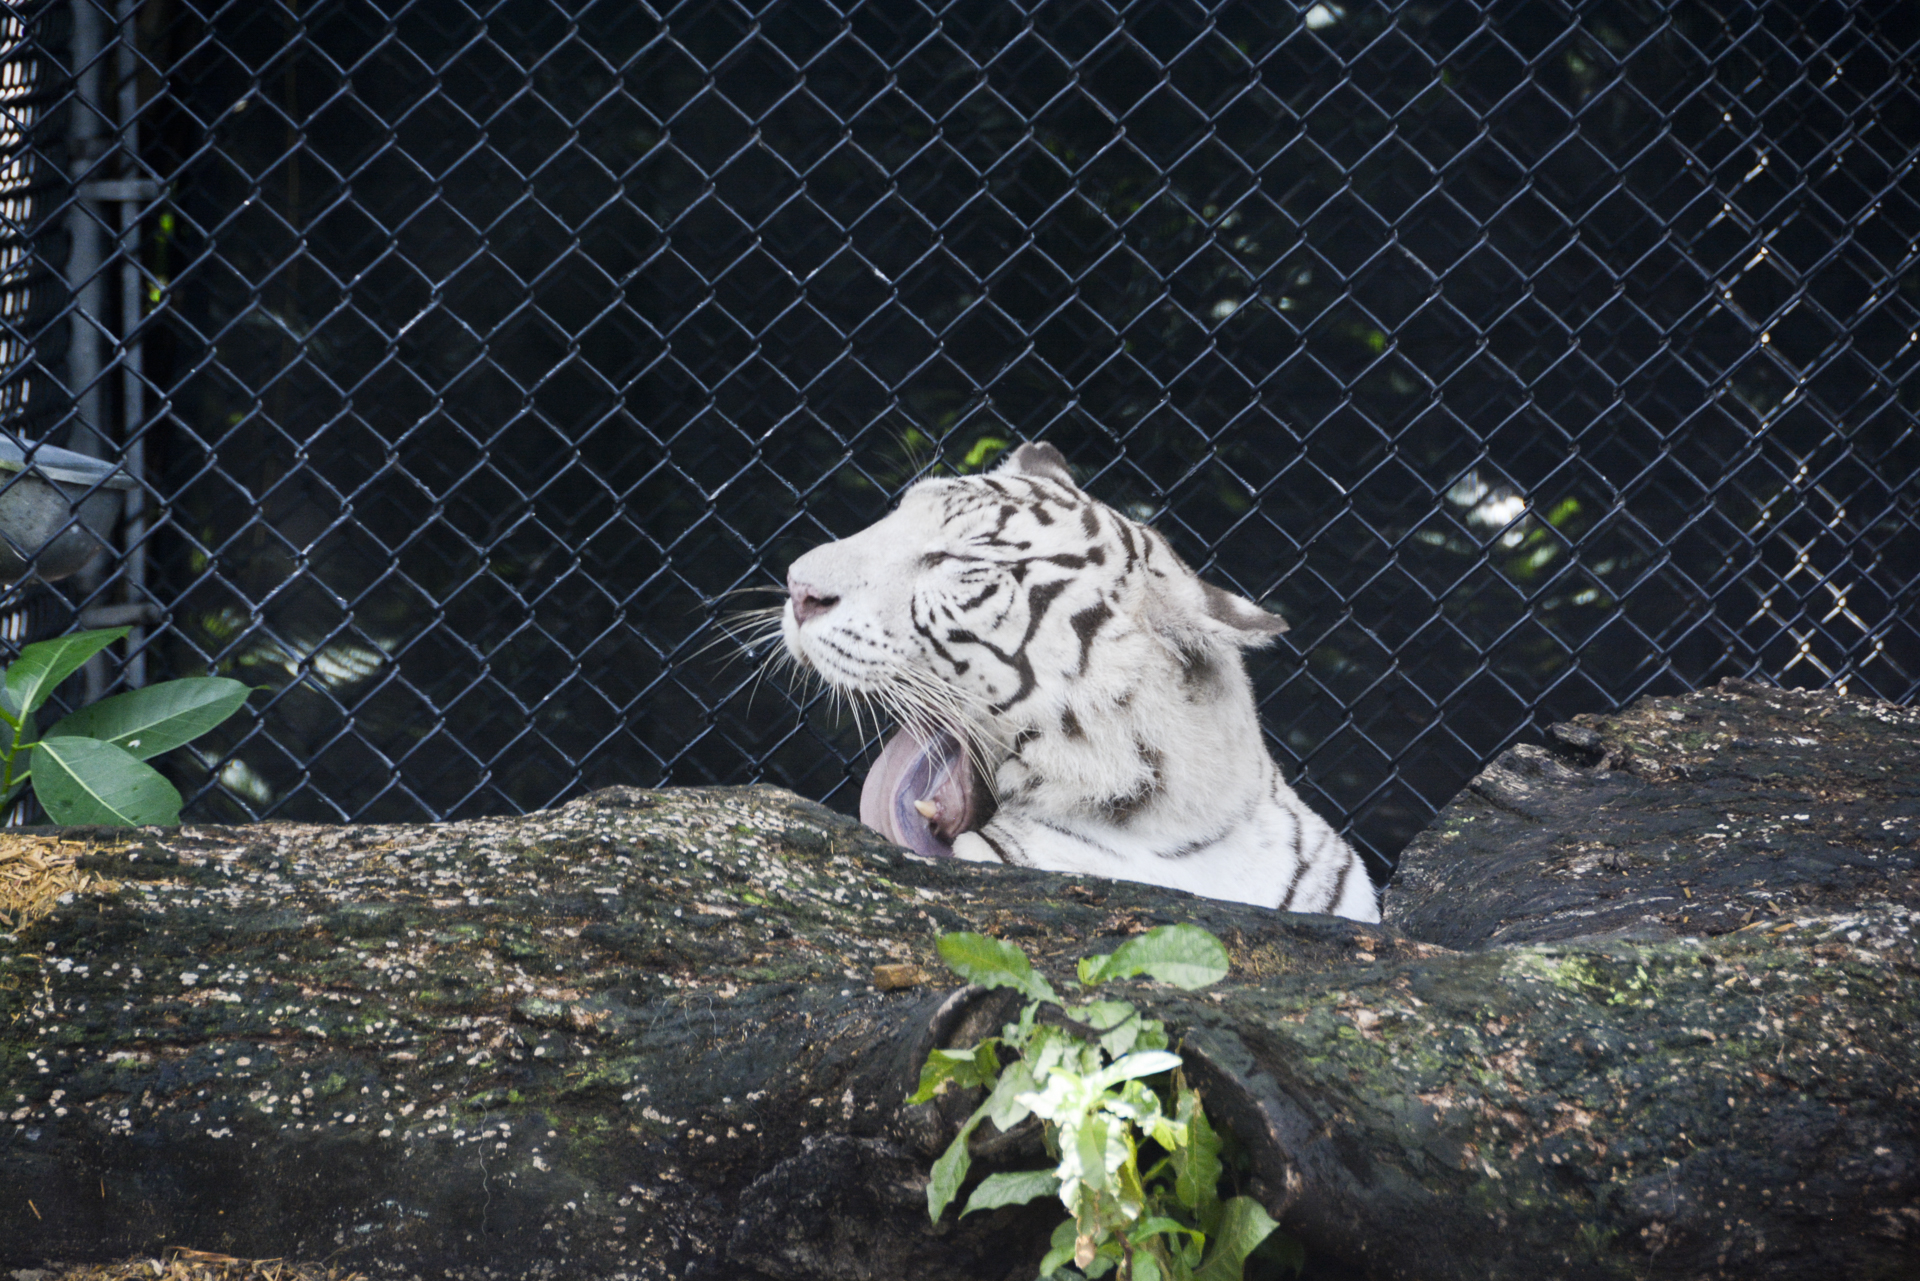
[1254,626]
[1194,614]
[1041,461]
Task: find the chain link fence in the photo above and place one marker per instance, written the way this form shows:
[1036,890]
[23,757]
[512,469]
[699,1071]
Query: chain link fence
[1527,357]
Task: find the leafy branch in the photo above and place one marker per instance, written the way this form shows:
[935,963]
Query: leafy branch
[91,766]
[1087,1072]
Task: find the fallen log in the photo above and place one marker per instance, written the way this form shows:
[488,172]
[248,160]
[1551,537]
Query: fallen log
[654,1034]
[1681,816]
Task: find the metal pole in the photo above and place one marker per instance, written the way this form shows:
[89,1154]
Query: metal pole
[19,111]
[133,424]
[85,223]
[86,123]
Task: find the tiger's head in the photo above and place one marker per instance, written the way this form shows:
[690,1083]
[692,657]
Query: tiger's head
[986,610]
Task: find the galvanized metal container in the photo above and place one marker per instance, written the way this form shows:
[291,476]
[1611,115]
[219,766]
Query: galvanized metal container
[57,509]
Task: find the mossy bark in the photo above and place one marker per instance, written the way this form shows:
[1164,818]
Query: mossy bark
[1679,816]
[655,1034]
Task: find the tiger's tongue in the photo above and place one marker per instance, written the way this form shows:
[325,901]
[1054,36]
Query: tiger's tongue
[922,793]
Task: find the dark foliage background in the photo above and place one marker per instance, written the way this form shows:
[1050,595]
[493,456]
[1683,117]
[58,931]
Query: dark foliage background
[1528,358]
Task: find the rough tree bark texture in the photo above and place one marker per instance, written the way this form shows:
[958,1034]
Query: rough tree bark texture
[656,1034]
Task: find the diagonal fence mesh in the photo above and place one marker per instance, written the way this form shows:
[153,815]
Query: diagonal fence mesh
[1527,357]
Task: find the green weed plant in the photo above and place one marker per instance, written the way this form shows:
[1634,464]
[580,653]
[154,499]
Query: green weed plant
[1110,1095]
[91,766]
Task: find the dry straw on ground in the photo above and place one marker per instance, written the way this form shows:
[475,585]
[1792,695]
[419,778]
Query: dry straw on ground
[34,872]
[197,1265]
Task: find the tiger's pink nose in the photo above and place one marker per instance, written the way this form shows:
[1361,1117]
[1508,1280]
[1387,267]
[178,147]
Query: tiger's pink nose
[808,601]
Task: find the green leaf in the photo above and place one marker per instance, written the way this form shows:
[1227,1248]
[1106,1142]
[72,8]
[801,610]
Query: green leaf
[44,664]
[1243,1226]
[1183,955]
[1196,1163]
[934,1073]
[1106,1260]
[157,718]
[1143,1103]
[1126,1181]
[1016,1188]
[992,963]
[1119,1025]
[986,1064]
[965,1068]
[1153,1035]
[1090,1137]
[1145,1063]
[82,780]
[1061,1252]
[1003,1106]
[1158,1225]
[18,729]
[950,1171]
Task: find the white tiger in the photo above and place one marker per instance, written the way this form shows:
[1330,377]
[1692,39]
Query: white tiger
[1071,695]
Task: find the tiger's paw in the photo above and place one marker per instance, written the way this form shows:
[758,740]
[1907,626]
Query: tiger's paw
[971,846]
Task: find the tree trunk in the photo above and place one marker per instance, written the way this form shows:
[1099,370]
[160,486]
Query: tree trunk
[668,1034]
